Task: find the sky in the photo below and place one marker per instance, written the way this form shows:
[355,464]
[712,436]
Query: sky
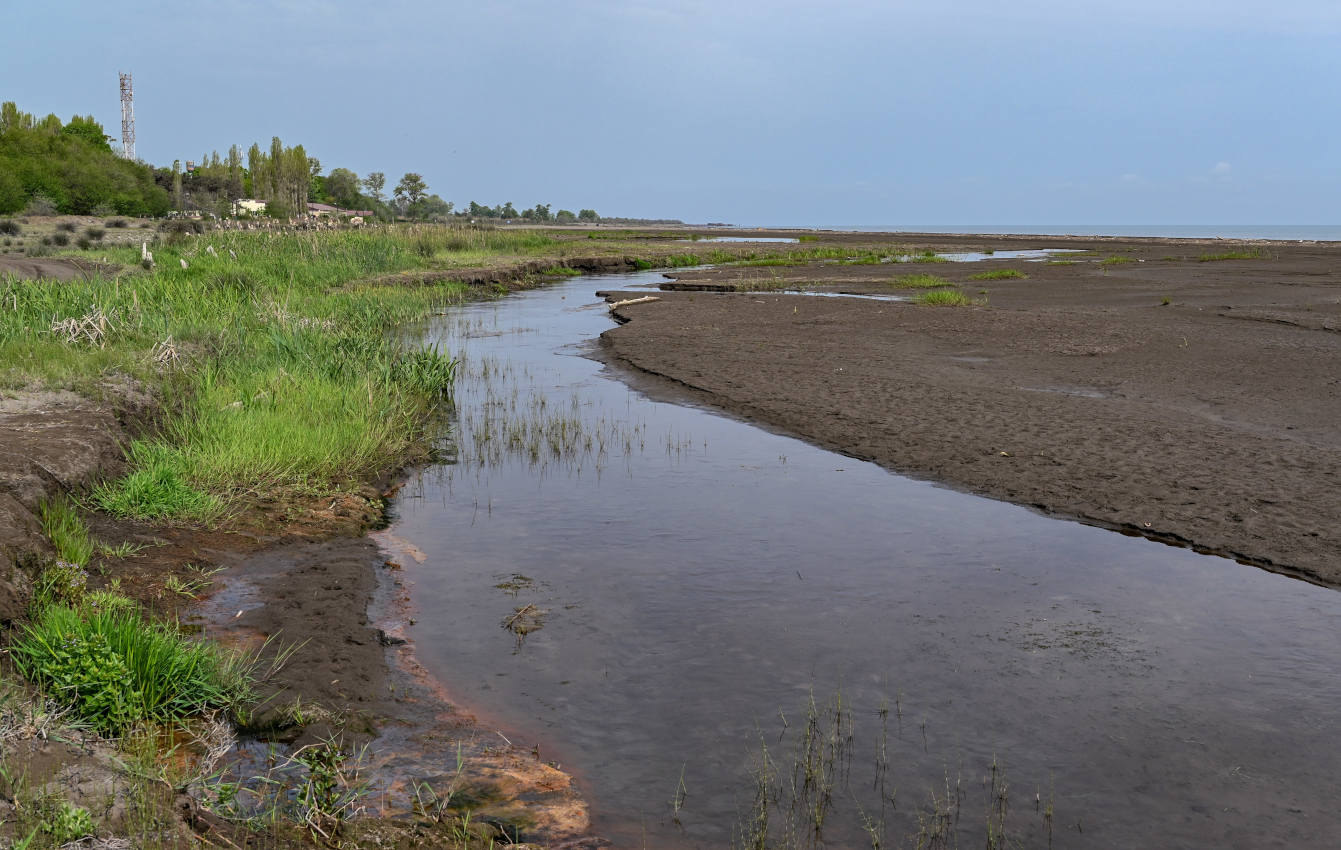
[845,112]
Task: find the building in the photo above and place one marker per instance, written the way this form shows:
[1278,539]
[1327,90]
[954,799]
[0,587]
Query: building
[248,206]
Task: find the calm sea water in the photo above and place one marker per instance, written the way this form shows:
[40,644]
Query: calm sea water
[1321,232]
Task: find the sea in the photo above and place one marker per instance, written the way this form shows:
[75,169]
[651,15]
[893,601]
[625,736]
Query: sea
[1288,232]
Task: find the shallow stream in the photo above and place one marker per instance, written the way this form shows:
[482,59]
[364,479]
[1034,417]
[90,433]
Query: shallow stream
[694,581]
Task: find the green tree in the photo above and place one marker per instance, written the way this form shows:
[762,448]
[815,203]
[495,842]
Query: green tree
[565,217]
[343,187]
[375,183]
[509,211]
[587,215]
[411,189]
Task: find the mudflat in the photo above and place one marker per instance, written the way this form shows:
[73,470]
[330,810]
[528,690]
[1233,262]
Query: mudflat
[1188,391]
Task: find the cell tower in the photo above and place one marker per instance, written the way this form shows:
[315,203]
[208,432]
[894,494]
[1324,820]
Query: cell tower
[127,118]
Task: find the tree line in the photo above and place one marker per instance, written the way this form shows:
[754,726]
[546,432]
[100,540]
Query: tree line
[50,166]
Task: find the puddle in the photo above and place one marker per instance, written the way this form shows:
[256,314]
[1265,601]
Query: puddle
[1035,256]
[866,295]
[702,578]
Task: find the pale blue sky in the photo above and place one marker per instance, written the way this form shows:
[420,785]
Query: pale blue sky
[961,111]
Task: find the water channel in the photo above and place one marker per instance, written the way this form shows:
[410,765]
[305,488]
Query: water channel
[690,582]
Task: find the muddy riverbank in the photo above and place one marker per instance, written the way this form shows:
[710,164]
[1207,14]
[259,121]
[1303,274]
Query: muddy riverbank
[1166,392]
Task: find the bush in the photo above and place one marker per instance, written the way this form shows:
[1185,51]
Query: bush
[84,243]
[9,227]
[116,670]
[67,226]
[58,238]
[94,232]
[40,205]
[117,222]
[182,226]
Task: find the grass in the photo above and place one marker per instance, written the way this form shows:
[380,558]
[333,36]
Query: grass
[1000,274]
[1253,254]
[1116,260]
[288,375]
[66,531]
[919,281]
[116,670]
[925,257]
[944,298]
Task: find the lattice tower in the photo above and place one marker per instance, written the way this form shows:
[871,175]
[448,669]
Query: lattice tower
[127,118]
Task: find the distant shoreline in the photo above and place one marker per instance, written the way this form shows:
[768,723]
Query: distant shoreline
[1274,232]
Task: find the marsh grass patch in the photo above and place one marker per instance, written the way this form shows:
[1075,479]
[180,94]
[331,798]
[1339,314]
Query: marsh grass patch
[1251,254]
[946,298]
[1000,274]
[919,281]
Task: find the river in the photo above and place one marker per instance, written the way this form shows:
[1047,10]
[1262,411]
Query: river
[681,586]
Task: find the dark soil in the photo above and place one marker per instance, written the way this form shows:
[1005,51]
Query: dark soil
[1195,402]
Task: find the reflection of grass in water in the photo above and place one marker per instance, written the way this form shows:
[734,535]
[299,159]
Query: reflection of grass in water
[504,412]
[805,796]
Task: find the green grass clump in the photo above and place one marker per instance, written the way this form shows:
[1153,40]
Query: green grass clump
[925,257]
[156,488]
[66,531]
[561,271]
[1254,254]
[919,281]
[115,670]
[944,298]
[1000,274]
[1116,260]
[807,237]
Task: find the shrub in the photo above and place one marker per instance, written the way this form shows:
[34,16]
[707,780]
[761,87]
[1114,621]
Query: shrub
[67,226]
[84,243]
[94,232]
[67,823]
[118,222]
[58,238]
[116,670]
[40,205]
[9,227]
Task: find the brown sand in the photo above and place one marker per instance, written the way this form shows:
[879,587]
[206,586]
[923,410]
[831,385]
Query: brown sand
[1189,401]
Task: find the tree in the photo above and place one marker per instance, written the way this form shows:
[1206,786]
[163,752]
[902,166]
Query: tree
[509,211]
[343,187]
[411,189]
[587,215]
[375,183]
[565,217]
[177,184]
[88,129]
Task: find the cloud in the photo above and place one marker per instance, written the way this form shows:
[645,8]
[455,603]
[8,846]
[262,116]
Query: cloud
[1221,168]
